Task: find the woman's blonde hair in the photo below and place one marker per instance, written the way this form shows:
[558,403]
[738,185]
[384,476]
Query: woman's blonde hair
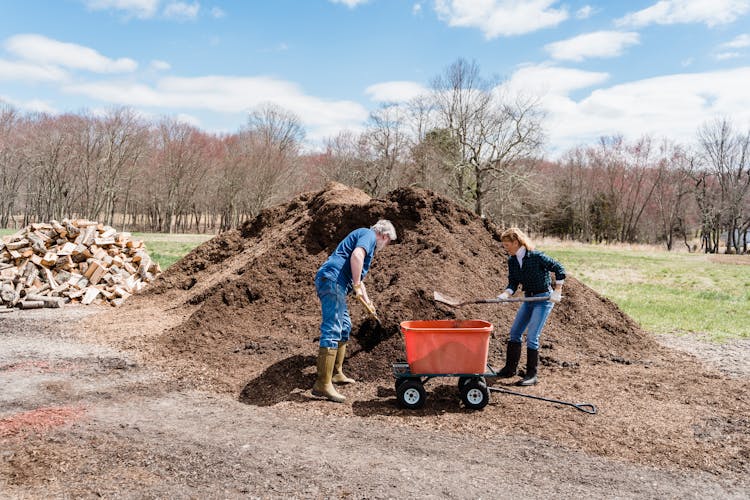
[515,234]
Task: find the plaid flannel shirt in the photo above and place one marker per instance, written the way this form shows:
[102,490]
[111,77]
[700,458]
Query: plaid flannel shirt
[534,275]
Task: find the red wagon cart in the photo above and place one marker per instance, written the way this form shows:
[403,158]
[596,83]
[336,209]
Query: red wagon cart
[452,348]
[444,348]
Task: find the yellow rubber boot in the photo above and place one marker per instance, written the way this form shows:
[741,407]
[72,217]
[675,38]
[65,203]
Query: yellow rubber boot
[338,373]
[323,386]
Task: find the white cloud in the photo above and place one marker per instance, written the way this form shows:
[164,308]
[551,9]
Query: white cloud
[217,13]
[229,95]
[142,9]
[584,12]
[740,42]
[710,12]
[416,9]
[672,106]
[29,72]
[188,119]
[547,80]
[42,50]
[160,65]
[394,92]
[500,17]
[181,11]
[723,56]
[33,105]
[350,3]
[600,44]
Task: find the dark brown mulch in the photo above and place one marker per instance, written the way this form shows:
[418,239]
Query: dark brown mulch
[251,321]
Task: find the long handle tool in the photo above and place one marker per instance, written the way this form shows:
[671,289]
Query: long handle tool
[439,297]
[584,407]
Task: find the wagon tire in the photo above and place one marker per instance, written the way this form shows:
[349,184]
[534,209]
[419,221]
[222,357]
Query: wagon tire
[411,394]
[399,381]
[475,395]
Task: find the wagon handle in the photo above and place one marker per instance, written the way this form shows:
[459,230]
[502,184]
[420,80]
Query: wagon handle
[584,407]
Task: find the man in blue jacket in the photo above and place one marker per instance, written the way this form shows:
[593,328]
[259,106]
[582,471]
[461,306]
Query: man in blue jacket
[342,273]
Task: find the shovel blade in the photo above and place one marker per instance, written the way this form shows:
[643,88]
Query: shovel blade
[439,297]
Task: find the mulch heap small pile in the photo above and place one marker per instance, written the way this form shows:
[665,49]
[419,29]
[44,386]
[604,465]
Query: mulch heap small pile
[48,264]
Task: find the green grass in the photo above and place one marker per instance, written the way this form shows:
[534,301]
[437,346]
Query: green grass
[166,249]
[667,292]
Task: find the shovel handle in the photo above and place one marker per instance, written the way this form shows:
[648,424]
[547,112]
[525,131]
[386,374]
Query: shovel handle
[455,303]
[519,299]
[369,308]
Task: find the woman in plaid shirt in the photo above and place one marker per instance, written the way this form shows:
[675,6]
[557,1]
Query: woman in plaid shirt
[530,269]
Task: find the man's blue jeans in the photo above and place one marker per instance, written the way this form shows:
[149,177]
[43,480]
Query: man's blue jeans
[531,315]
[336,325]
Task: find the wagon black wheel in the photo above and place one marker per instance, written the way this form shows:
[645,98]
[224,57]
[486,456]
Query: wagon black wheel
[399,381]
[462,381]
[411,394]
[474,394]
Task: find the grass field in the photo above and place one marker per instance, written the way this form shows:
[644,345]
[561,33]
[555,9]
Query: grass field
[166,249]
[666,292]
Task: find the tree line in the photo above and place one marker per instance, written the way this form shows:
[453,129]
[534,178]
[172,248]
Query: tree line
[469,138]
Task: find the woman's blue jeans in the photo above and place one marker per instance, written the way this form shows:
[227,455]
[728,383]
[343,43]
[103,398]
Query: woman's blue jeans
[531,316]
[336,325]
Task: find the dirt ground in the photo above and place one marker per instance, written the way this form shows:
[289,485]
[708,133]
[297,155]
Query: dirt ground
[92,421]
[200,387]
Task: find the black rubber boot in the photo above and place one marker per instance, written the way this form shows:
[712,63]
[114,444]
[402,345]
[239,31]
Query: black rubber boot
[532,359]
[512,355]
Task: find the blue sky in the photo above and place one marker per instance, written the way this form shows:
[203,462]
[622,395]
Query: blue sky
[659,67]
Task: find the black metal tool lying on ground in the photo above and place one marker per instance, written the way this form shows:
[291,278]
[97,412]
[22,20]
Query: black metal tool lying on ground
[584,407]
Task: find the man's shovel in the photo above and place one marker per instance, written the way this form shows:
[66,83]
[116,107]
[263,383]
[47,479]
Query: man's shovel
[370,309]
[439,297]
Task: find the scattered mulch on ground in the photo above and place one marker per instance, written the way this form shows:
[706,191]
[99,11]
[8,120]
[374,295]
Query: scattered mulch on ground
[240,315]
[37,366]
[39,420]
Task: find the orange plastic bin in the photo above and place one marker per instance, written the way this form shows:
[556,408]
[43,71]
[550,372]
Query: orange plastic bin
[447,346]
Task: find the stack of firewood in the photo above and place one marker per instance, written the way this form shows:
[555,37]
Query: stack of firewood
[47,265]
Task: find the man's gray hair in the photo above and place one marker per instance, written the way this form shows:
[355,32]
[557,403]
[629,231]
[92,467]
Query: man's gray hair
[385,227]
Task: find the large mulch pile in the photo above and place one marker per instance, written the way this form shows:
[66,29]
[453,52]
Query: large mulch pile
[239,314]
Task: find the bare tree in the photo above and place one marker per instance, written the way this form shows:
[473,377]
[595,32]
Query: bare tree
[494,130]
[676,168]
[124,140]
[344,160]
[640,179]
[52,188]
[272,142]
[387,147]
[14,161]
[177,172]
[726,156]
